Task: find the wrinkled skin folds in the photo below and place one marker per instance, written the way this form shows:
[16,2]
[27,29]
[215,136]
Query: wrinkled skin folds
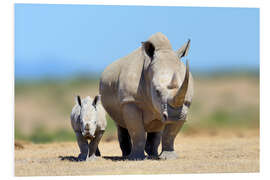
[148,93]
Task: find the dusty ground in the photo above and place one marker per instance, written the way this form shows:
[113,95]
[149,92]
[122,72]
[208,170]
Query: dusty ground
[199,153]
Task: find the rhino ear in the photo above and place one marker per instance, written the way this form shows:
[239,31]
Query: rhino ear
[183,51]
[149,49]
[79,100]
[96,100]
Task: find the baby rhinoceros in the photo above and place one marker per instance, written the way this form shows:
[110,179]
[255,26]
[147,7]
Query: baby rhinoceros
[88,122]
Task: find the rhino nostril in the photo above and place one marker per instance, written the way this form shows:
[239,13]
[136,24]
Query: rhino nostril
[165,116]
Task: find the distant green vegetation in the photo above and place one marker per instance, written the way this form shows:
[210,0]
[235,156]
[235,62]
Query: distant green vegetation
[58,93]
[41,135]
[26,86]
[233,72]
[226,120]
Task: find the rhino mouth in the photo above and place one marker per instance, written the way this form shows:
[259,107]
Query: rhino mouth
[87,135]
[172,114]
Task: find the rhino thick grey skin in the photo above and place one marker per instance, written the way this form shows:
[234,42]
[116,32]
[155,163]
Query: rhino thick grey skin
[148,91]
[88,121]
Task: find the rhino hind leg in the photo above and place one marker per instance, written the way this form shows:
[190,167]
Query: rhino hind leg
[152,143]
[168,137]
[124,141]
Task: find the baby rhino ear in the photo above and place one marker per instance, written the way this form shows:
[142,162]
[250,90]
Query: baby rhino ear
[79,100]
[96,100]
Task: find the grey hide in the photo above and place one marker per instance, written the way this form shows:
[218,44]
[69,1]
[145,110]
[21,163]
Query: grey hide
[88,121]
[148,93]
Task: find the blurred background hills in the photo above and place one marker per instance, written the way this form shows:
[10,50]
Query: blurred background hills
[61,50]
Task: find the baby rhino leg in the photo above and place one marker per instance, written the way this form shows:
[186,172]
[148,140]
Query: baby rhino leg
[83,145]
[93,146]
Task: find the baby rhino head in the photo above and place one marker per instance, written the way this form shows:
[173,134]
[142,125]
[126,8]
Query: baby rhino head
[88,116]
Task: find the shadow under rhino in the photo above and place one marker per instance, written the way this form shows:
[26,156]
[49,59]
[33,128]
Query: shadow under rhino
[69,158]
[112,158]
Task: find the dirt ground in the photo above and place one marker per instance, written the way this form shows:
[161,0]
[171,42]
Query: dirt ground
[200,153]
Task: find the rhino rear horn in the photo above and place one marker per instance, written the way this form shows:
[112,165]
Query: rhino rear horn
[183,51]
[179,98]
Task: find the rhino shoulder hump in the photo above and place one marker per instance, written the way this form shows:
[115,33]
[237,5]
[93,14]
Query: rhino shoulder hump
[130,76]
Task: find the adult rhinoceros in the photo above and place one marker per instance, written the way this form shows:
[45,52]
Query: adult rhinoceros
[148,91]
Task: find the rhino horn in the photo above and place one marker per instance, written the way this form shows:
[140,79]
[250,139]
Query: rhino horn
[179,98]
[183,51]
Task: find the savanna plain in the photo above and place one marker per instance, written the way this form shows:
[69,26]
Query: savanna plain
[221,133]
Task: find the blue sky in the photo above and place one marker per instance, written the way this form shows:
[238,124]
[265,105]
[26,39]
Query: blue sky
[65,40]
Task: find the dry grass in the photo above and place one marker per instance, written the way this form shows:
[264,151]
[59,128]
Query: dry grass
[224,151]
[49,105]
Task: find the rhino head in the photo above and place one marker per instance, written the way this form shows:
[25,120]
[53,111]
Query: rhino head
[88,116]
[167,79]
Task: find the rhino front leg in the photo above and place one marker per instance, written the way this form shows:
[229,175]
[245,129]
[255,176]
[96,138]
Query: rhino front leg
[124,141]
[134,123]
[93,145]
[152,143]
[83,145]
[97,152]
[168,137]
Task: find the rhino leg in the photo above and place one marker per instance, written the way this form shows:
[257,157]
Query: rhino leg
[134,123]
[97,152]
[168,137]
[152,143]
[124,141]
[93,145]
[83,145]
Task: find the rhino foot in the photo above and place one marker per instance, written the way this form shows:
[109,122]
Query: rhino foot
[136,156]
[165,155]
[82,157]
[153,157]
[92,158]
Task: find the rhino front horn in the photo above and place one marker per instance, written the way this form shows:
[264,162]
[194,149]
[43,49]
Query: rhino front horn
[179,98]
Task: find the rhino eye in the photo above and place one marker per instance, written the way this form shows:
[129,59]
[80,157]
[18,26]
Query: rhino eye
[187,103]
[158,93]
